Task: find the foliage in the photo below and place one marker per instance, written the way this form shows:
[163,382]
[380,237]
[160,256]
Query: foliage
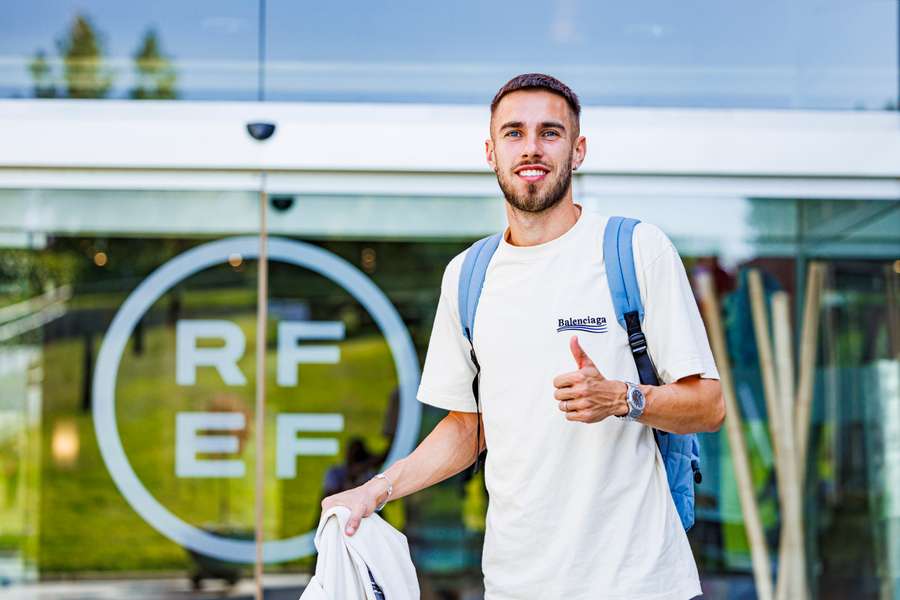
[42,76]
[156,78]
[23,273]
[82,51]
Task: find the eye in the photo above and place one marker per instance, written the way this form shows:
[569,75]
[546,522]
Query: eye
[512,133]
[551,133]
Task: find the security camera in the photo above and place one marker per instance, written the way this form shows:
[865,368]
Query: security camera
[282,202]
[260,131]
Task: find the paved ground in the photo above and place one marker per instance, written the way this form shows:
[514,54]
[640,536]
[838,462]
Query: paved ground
[278,587]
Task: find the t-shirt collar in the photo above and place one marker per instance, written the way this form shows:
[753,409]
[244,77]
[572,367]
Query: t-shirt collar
[545,249]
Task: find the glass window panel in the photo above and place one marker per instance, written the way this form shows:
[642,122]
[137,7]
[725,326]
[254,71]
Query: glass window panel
[89,49]
[59,291]
[824,54]
[835,54]
[71,257]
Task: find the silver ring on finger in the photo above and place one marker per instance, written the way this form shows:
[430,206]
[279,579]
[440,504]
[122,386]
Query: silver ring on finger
[565,406]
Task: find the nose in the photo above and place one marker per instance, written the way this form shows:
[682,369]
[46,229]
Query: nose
[532,147]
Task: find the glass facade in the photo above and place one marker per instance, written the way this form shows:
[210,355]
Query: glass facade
[128,288]
[182,379]
[806,54]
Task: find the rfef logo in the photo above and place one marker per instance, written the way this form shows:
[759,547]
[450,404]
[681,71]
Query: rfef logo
[196,431]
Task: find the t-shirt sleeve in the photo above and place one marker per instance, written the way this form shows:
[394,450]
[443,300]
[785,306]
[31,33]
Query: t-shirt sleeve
[676,336]
[447,377]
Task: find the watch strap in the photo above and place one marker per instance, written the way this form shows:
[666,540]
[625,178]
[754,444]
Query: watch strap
[634,412]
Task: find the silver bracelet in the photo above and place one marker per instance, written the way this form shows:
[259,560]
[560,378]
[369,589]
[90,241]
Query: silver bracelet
[390,490]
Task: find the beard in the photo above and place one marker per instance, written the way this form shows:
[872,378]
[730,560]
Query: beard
[534,200]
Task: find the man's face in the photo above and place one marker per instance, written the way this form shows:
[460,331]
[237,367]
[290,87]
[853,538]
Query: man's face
[533,147]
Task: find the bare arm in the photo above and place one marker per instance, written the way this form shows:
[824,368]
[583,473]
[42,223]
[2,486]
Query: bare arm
[688,405]
[446,451]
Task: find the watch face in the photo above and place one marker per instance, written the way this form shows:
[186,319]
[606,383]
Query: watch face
[637,399]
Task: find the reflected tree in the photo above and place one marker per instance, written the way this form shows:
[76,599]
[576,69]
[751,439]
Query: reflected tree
[42,76]
[155,75]
[82,52]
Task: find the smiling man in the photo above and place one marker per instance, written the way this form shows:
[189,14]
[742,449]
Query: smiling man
[579,503]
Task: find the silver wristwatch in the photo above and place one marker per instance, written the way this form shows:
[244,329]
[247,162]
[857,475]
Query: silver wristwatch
[636,402]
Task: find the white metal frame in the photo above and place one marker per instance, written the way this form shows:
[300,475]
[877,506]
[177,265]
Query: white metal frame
[394,149]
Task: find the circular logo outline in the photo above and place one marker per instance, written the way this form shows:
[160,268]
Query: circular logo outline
[163,279]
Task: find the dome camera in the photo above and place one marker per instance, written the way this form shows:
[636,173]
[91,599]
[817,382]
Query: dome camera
[282,202]
[260,130]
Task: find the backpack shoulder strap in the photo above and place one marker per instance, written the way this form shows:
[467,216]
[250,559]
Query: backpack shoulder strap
[618,258]
[471,280]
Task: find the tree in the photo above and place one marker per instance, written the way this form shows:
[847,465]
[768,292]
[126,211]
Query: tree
[155,75]
[82,54]
[41,76]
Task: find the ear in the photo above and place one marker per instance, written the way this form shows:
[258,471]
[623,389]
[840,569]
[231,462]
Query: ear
[579,151]
[489,154]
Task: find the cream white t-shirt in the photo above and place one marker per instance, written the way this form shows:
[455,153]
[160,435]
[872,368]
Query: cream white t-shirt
[576,510]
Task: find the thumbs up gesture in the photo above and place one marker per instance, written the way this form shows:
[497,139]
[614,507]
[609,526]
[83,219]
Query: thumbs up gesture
[585,395]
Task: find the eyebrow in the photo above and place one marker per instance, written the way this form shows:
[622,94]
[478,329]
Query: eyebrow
[544,125]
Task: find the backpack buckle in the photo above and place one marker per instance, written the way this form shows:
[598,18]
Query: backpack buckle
[638,342]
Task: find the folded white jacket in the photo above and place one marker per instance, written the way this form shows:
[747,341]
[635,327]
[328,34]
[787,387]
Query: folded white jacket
[342,570]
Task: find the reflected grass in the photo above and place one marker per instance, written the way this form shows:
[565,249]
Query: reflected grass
[82,509]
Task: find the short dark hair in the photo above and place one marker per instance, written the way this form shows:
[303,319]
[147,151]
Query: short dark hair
[539,81]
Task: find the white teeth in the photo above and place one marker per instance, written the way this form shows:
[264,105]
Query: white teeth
[531,173]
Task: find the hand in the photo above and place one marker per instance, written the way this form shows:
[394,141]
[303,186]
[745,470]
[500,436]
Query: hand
[361,501]
[586,395]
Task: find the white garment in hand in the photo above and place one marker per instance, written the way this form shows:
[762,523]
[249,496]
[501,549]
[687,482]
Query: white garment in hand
[342,571]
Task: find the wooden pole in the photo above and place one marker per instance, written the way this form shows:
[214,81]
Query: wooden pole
[792,524]
[773,409]
[809,342]
[734,427]
[262,304]
[262,317]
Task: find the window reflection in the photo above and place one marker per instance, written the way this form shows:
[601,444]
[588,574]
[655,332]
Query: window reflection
[99,49]
[59,299]
[804,54]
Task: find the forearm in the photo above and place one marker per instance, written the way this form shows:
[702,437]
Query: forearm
[688,405]
[446,451]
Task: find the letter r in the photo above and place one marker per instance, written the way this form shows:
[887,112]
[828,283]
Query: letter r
[224,358]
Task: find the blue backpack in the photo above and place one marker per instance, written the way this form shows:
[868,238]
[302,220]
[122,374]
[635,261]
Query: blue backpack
[680,453]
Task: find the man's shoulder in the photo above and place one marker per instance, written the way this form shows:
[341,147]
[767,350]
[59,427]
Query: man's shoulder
[651,242]
[454,267]
[450,280]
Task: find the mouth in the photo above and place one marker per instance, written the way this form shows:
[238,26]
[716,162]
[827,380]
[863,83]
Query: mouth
[531,173]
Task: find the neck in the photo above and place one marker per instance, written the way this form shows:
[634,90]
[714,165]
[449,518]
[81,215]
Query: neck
[531,229]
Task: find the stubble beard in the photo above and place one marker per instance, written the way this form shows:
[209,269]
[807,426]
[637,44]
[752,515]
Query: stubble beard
[533,201]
